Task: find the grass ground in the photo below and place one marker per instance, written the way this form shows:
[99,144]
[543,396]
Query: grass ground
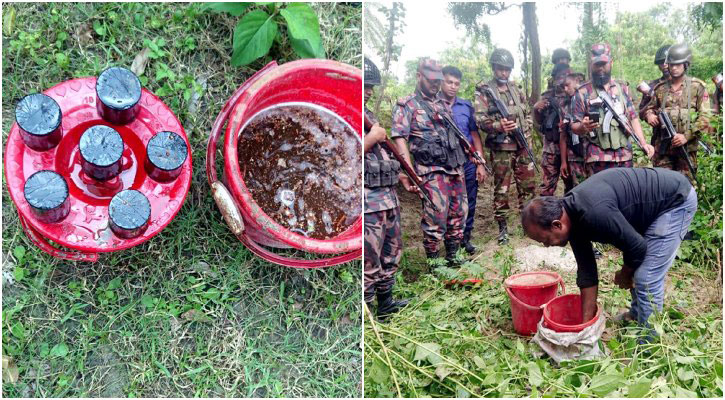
[461,342]
[190,312]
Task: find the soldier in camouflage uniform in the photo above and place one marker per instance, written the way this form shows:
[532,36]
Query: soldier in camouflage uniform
[549,113]
[717,94]
[559,56]
[660,62]
[571,146]
[686,101]
[439,160]
[507,157]
[605,149]
[383,241]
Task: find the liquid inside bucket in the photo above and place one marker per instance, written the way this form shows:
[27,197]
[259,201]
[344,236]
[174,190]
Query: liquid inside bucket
[301,163]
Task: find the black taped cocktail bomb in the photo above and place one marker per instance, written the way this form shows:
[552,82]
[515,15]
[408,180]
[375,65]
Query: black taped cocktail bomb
[129,212]
[165,155]
[39,119]
[118,91]
[101,150]
[47,194]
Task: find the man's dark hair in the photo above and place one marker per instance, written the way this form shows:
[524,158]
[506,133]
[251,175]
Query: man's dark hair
[542,211]
[452,71]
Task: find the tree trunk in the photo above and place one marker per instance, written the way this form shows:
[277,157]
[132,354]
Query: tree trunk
[587,32]
[532,32]
[392,18]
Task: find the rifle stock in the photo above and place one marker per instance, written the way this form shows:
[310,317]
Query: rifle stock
[407,169]
[518,132]
[670,132]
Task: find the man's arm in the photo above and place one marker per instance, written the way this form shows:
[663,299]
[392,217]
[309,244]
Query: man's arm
[612,223]
[587,277]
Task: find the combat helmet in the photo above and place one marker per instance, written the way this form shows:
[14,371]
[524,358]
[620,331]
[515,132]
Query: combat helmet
[501,57]
[661,54]
[372,74]
[678,54]
[560,53]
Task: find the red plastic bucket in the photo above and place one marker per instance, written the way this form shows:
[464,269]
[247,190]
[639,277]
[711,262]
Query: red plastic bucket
[528,292]
[564,314]
[329,84]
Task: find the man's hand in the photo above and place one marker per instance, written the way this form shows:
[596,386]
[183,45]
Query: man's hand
[407,185]
[589,125]
[624,278]
[480,173]
[541,104]
[653,120]
[377,134]
[649,150]
[564,170]
[679,140]
[507,126]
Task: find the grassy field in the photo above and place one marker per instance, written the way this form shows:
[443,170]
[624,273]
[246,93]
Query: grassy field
[460,342]
[191,312]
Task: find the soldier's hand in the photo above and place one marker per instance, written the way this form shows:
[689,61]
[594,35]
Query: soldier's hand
[541,104]
[653,120]
[564,170]
[377,134]
[589,125]
[480,173]
[649,149]
[507,126]
[679,140]
[407,185]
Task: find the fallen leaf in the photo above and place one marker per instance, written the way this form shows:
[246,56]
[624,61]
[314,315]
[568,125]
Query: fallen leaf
[140,62]
[10,371]
[84,34]
[195,315]
[442,372]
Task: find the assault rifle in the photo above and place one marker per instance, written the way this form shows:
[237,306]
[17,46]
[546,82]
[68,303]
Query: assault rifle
[465,144]
[646,90]
[390,146]
[670,134]
[612,113]
[518,132]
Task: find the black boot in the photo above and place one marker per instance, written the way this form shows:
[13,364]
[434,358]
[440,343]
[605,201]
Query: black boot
[503,234]
[470,248]
[451,250]
[431,254]
[388,306]
[597,254]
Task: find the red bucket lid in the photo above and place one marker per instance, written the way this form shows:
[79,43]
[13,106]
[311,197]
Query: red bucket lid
[86,227]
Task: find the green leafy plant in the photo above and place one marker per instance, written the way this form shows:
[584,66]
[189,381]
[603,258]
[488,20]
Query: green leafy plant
[258,29]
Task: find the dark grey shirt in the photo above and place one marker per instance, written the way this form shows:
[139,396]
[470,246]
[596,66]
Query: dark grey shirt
[616,206]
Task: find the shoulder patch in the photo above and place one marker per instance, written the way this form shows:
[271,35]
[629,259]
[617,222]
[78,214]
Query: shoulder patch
[696,80]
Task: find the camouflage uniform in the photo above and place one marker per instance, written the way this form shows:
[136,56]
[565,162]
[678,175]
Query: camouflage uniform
[383,242]
[506,156]
[445,186]
[574,152]
[596,158]
[551,157]
[690,116]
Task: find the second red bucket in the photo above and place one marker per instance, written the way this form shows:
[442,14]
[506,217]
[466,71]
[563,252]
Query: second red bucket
[331,85]
[528,292]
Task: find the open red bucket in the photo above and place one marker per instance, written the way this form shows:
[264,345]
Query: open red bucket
[329,84]
[564,314]
[528,292]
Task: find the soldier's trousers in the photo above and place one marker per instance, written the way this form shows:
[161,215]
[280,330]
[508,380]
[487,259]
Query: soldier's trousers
[448,192]
[597,166]
[550,171]
[577,175]
[383,249]
[506,164]
[677,163]
[471,193]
